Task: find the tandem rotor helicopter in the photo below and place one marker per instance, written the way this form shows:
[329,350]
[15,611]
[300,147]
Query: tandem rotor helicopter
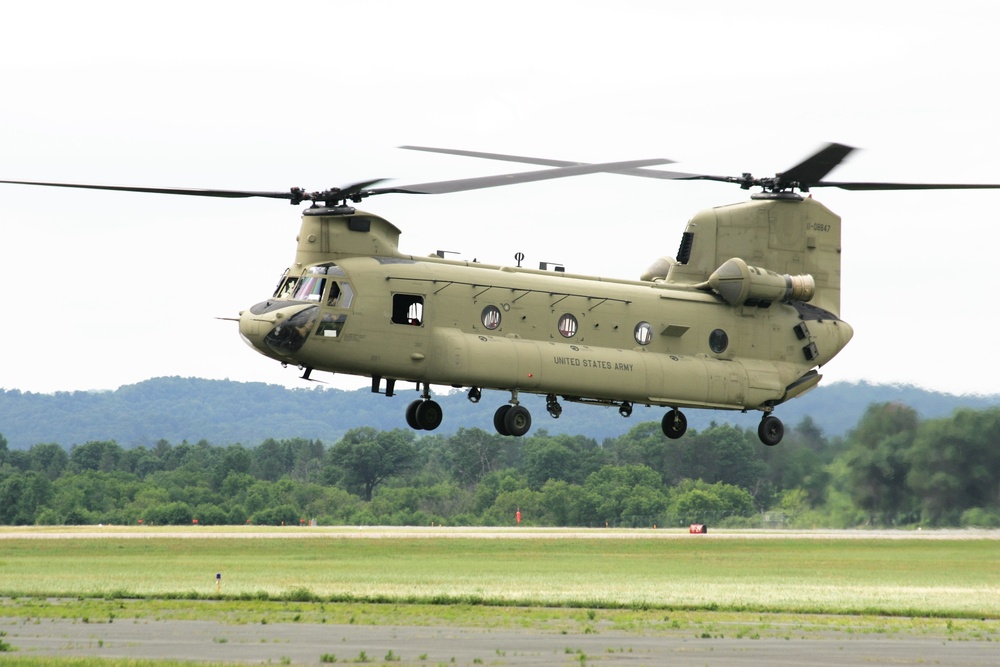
[742,318]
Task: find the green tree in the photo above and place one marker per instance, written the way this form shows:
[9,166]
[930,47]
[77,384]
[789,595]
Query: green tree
[170,514]
[724,453]
[561,503]
[472,453]
[878,462]
[695,501]
[612,493]
[561,457]
[956,465]
[49,459]
[23,496]
[367,457]
[98,455]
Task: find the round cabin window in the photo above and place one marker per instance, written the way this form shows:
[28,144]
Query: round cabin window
[718,340]
[568,325]
[643,333]
[491,317]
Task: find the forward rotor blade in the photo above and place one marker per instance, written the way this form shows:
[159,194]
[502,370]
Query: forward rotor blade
[443,187]
[546,162]
[231,194]
[295,195]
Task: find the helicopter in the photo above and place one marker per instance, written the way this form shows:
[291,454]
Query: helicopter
[742,317]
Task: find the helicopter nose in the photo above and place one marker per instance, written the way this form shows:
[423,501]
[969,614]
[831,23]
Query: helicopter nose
[277,332]
[253,328]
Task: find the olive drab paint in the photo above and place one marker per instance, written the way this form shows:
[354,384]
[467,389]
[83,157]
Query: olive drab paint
[747,339]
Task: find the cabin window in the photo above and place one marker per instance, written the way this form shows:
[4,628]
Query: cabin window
[643,333]
[568,325]
[718,340]
[491,317]
[408,309]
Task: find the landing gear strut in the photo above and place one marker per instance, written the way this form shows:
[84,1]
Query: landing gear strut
[424,414]
[674,424]
[770,430]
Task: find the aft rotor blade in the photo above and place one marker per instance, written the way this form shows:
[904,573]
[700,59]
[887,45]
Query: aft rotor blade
[816,166]
[443,187]
[905,186]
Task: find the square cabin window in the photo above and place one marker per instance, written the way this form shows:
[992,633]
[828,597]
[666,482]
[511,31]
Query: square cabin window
[408,309]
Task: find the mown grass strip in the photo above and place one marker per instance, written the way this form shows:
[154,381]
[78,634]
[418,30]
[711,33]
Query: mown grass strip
[943,578]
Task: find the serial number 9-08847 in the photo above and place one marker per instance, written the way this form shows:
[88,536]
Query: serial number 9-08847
[817,227]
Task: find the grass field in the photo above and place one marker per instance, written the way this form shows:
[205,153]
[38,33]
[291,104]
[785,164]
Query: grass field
[918,576]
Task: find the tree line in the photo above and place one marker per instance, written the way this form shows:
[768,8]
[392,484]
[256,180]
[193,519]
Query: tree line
[892,469]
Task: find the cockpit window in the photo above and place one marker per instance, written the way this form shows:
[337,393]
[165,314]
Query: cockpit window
[328,269]
[310,288]
[346,295]
[341,295]
[286,288]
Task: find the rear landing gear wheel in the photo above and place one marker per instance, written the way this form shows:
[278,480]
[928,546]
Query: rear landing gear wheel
[429,415]
[674,424]
[771,430]
[411,415]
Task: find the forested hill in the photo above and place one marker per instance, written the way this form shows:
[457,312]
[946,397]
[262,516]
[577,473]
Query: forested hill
[223,412]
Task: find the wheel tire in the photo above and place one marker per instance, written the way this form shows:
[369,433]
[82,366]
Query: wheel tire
[517,421]
[499,422]
[429,415]
[411,415]
[674,424]
[771,430]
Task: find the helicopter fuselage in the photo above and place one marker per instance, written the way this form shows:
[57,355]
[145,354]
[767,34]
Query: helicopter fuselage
[352,303]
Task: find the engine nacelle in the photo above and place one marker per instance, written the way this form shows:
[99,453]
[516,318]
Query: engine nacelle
[741,284]
[659,269]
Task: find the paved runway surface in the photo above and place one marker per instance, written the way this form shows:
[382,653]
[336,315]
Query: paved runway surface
[297,643]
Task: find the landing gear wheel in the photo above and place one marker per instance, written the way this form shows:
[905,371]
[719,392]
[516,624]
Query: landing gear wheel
[771,430]
[429,415]
[674,424]
[499,419]
[517,420]
[552,405]
[411,415]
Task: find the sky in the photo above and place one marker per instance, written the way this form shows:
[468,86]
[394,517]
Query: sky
[105,289]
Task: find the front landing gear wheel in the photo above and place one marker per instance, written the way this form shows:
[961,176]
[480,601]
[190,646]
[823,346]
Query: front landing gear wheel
[517,421]
[771,430]
[674,424]
[499,419]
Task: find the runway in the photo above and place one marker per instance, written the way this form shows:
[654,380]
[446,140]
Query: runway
[297,643]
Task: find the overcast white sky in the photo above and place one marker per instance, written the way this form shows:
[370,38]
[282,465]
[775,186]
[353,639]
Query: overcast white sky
[105,289]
